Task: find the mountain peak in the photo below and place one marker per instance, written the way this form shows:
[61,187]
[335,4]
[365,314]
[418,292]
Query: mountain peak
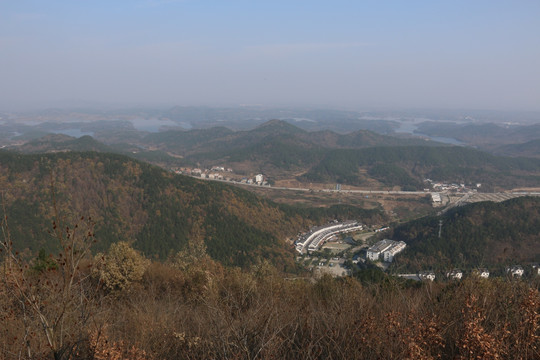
[278,125]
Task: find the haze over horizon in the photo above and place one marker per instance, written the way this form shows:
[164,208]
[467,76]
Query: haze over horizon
[341,54]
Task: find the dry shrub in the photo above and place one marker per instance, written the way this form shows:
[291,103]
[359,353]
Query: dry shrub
[120,267]
[526,340]
[475,342]
[413,336]
[103,349]
[161,280]
[50,309]
[208,312]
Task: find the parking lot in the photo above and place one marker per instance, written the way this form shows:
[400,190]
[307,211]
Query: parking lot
[333,267]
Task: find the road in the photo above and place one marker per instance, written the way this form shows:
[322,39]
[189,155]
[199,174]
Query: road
[467,198]
[390,192]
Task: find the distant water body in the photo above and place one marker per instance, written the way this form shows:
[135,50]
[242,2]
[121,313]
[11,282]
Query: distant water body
[155,125]
[445,140]
[410,127]
[77,133]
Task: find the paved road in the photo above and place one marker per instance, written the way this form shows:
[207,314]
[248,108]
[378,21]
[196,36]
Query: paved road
[391,192]
[467,198]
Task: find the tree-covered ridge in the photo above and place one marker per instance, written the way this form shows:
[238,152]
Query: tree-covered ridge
[408,166]
[282,151]
[266,142]
[60,142]
[476,235]
[156,211]
[486,135]
[529,149]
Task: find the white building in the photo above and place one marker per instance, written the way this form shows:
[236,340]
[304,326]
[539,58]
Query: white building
[427,275]
[515,270]
[396,248]
[259,178]
[375,251]
[455,274]
[483,273]
[313,240]
[388,248]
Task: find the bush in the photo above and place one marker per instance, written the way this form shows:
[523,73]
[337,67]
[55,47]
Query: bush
[120,267]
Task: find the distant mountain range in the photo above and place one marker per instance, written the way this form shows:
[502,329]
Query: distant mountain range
[219,138]
[281,150]
[487,136]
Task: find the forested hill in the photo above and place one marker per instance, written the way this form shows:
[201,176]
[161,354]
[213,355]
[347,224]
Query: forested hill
[408,166]
[476,235]
[529,149]
[272,147]
[62,143]
[154,210]
[219,139]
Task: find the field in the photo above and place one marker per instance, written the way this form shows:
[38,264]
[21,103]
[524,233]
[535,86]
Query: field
[398,207]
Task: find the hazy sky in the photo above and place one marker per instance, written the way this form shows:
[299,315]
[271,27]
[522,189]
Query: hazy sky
[352,54]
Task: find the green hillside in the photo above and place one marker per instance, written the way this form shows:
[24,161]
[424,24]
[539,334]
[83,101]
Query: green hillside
[480,234]
[408,166]
[60,142]
[486,135]
[218,142]
[529,149]
[156,211]
[283,151]
[184,141]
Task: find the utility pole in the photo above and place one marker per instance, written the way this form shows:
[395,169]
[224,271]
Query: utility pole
[440,228]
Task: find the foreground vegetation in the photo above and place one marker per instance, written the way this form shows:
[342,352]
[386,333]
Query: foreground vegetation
[119,305]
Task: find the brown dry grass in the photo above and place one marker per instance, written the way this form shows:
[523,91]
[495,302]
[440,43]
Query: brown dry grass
[207,311]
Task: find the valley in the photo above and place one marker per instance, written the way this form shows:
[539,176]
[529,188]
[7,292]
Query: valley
[267,180]
[301,177]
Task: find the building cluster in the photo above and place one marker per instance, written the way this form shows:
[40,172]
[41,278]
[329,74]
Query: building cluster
[316,237]
[257,180]
[221,173]
[216,172]
[452,187]
[436,198]
[514,271]
[387,248]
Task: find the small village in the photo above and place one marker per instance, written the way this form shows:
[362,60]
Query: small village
[330,249]
[222,173]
